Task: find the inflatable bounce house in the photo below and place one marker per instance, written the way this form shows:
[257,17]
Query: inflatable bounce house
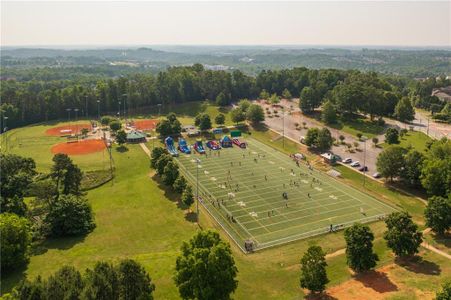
[183,147]
[169,142]
[226,142]
[239,143]
[213,145]
[199,147]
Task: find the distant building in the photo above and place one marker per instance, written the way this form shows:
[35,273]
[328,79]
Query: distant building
[444,93]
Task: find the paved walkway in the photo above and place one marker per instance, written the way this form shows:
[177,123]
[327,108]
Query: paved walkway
[424,245]
[145,149]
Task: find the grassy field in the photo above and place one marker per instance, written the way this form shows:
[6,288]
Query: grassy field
[248,185]
[32,141]
[415,139]
[138,218]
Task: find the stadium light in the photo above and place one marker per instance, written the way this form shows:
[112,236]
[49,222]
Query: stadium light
[197,189]
[364,138]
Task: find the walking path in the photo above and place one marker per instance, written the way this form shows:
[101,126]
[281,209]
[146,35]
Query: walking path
[145,149]
[423,244]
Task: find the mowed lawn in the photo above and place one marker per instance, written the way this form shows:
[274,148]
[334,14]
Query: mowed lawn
[136,219]
[415,139]
[32,141]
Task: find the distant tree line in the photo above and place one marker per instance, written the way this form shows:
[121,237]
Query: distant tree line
[25,102]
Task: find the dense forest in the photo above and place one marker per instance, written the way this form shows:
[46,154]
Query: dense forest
[32,101]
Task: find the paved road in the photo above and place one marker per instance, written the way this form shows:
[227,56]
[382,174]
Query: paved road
[436,130]
[293,115]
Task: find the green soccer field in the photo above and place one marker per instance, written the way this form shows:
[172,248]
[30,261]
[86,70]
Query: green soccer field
[248,184]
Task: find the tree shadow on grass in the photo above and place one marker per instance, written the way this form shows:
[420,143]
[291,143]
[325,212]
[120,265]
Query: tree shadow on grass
[320,296]
[419,265]
[191,216]
[122,149]
[11,279]
[62,243]
[260,127]
[377,281]
[444,240]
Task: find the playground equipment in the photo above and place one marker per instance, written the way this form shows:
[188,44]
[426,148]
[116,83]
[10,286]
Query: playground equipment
[226,142]
[199,147]
[213,145]
[183,147]
[239,143]
[169,142]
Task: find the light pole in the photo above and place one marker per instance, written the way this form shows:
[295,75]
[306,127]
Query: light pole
[98,110]
[159,109]
[5,129]
[197,189]
[119,109]
[283,128]
[364,158]
[68,114]
[86,98]
[76,119]
[124,96]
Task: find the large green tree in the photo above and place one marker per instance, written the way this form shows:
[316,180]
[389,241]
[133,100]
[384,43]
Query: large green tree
[328,113]
[134,281]
[445,293]
[237,115]
[390,162]
[392,136]
[70,216]
[155,155]
[436,172]
[180,184]
[402,234]
[170,173]
[255,114]
[413,164]
[308,100]
[161,163]
[203,121]
[438,214]
[313,270]
[187,196]
[16,174]
[101,283]
[66,175]
[66,283]
[220,119]
[15,240]
[359,248]
[206,268]
[404,110]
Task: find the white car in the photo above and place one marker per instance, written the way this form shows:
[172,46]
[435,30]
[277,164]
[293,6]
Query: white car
[347,160]
[355,164]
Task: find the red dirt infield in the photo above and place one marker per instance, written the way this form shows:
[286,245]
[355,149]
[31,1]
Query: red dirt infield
[79,148]
[145,124]
[56,131]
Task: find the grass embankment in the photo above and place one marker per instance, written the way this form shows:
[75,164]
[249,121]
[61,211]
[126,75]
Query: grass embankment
[415,139]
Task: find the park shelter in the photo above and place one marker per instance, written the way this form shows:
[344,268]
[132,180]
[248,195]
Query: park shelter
[136,137]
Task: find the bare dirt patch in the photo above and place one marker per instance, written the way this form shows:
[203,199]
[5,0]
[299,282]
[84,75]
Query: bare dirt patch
[372,285]
[67,129]
[145,124]
[79,148]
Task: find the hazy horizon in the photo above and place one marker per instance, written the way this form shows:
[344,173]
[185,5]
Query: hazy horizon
[245,24]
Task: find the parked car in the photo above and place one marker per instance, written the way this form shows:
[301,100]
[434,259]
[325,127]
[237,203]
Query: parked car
[302,139]
[355,164]
[377,175]
[363,169]
[347,160]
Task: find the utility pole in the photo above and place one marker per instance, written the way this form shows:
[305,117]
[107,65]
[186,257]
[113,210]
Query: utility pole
[76,120]
[159,109]
[125,100]
[364,158]
[5,133]
[86,98]
[197,189]
[428,128]
[283,128]
[98,110]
